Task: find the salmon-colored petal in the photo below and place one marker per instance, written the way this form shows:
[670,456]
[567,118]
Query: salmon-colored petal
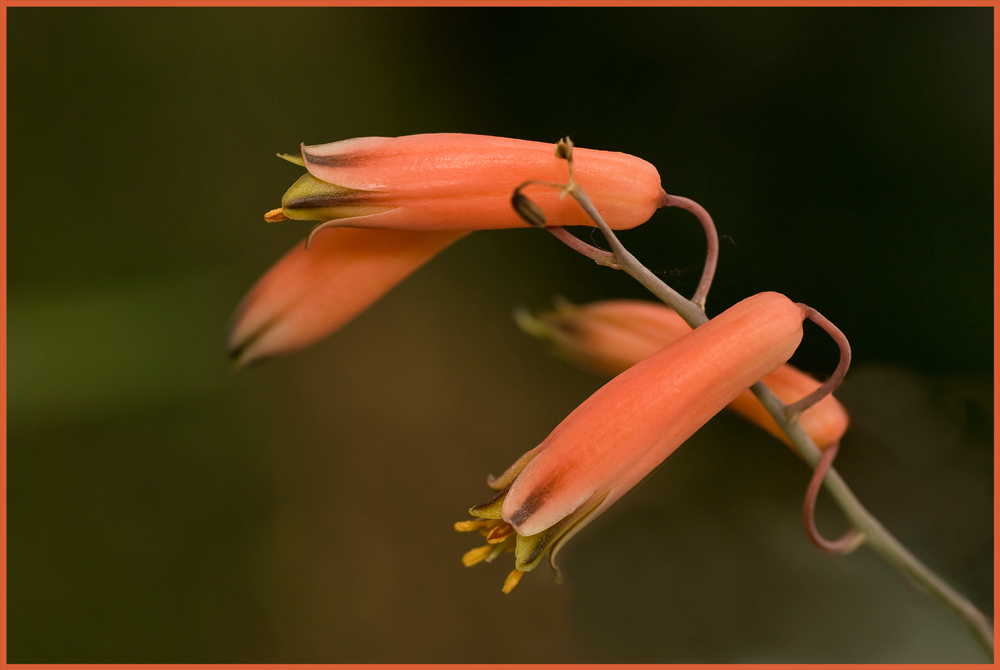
[636,420]
[453,180]
[611,336]
[312,292]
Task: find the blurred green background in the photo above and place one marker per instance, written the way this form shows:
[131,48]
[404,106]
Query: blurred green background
[162,507]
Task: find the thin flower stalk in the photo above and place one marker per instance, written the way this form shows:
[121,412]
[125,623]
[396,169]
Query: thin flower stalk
[875,535]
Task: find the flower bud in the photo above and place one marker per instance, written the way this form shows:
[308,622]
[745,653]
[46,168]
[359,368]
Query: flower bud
[312,292]
[455,181]
[608,337]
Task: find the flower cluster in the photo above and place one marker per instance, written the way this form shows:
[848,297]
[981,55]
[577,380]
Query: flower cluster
[387,205]
[628,427]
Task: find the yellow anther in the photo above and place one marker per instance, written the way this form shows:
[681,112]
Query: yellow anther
[275,215]
[474,524]
[500,533]
[476,556]
[512,579]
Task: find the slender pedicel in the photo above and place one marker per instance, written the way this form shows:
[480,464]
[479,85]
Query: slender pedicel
[853,538]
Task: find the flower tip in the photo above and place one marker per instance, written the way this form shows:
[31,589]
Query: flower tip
[528,210]
[529,324]
[244,354]
[293,159]
[275,215]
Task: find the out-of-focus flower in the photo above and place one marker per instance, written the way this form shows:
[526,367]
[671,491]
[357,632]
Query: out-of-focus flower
[627,428]
[312,292]
[422,192]
[610,336]
[456,181]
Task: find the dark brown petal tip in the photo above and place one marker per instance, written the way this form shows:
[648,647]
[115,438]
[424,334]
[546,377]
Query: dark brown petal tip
[528,210]
[491,509]
[333,160]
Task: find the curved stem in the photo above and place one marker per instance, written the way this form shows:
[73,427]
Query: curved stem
[599,256]
[826,388]
[875,535]
[711,236]
[691,313]
[853,538]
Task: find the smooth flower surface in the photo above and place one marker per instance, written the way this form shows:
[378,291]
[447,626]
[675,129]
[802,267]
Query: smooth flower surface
[312,292]
[452,181]
[610,336]
[629,426]
[421,193]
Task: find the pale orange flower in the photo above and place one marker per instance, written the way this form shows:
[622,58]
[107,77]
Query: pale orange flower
[610,336]
[312,292]
[455,181]
[628,427]
[422,192]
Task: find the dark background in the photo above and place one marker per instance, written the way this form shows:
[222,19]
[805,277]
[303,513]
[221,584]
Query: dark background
[163,508]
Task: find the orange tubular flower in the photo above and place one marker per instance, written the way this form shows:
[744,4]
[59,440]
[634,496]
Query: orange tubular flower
[453,181]
[423,192]
[608,337]
[627,428]
[312,292]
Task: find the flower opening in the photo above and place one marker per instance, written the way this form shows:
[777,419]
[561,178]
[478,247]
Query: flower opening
[629,426]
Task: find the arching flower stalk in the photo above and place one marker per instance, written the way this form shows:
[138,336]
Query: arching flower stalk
[865,527]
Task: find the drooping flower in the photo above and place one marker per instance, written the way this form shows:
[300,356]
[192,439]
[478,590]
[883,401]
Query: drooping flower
[455,181]
[610,336]
[627,428]
[312,292]
[422,192]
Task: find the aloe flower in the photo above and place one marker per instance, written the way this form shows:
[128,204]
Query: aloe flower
[627,428]
[422,192]
[312,292]
[608,337]
[453,181]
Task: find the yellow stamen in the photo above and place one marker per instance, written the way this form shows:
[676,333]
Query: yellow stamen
[500,533]
[476,556]
[512,579]
[275,215]
[474,524]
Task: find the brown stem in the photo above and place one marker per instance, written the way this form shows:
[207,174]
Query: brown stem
[693,314]
[712,237]
[599,256]
[827,387]
[853,538]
